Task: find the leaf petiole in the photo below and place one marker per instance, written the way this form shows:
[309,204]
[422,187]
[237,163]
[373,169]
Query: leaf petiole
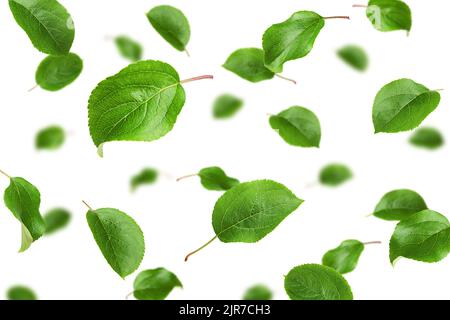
[371,242]
[284,78]
[187,52]
[202,247]
[359,6]
[337,17]
[197,78]
[187,176]
[5,174]
[32,88]
[88,206]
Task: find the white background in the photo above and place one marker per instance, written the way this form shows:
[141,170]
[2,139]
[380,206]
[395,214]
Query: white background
[176,217]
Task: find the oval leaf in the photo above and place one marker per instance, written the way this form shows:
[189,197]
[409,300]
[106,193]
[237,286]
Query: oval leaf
[214,178]
[226,106]
[155,284]
[56,219]
[129,48]
[172,25]
[297,126]
[291,39]
[50,138]
[316,282]
[57,72]
[146,176]
[425,236]
[119,238]
[389,15]
[345,257]
[335,174]
[258,292]
[402,105]
[399,204]
[248,63]
[354,56]
[20,293]
[46,22]
[428,138]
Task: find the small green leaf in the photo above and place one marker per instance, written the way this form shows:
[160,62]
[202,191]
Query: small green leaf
[428,138]
[47,23]
[20,293]
[214,178]
[335,174]
[402,105]
[50,138]
[226,106]
[316,282]
[297,126]
[389,15]
[146,176]
[119,238]
[57,72]
[258,292]
[354,56]
[248,63]
[172,25]
[56,219]
[425,236]
[155,284]
[399,204]
[345,257]
[23,200]
[129,48]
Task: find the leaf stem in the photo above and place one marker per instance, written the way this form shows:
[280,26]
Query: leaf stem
[32,88]
[359,6]
[338,17]
[128,295]
[284,78]
[5,174]
[88,206]
[187,52]
[372,242]
[187,176]
[197,78]
[202,247]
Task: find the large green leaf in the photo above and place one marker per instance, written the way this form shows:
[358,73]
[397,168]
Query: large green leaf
[129,48]
[119,238]
[226,106]
[57,72]
[389,15]
[335,174]
[145,176]
[428,138]
[20,293]
[354,56]
[425,236]
[47,23]
[50,138]
[258,292]
[345,257]
[297,126]
[399,204]
[56,219]
[316,282]
[402,105]
[248,63]
[155,284]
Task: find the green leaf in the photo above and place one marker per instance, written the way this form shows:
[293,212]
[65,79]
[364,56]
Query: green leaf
[23,200]
[402,105]
[226,106]
[57,72]
[297,126]
[214,178]
[354,56]
[389,15]
[258,292]
[248,63]
[335,174]
[316,282]
[172,25]
[425,236]
[428,138]
[399,204]
[140,103]
[129,48]
[155,284]
[345,257]
[291,39]
[50,138]
[47,23]
[20,293]
[56,219]
[146,176]
[119,238]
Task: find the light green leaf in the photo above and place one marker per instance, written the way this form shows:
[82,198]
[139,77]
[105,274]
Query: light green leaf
[389,15]
[258,292]
[428,138]
[248,63]
[316,282]
[226,106]
[47,23]
[345,257]
[354,56]
[172,25]
[129,48]
[146,176]
[56,219]
[23,200]
[297,126]
[335,174]
[50,138]
[399,204]
[425,236]
[20,293]
[402,105]
[155,284]
[119,238]
[57,72]
[214,178]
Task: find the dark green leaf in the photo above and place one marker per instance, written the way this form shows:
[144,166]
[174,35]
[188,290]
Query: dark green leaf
[155,284]
[399,205]
[345,257]
[57,72]
[335,174]
[214,178]
[258,292]
[402,105]
[354,56]
[248,63]
[428,138]
[226,106]
[389,15]
[20,293]
[316,282]
[129,48]
[50,138]
[56,219]
[47,23]
[146,176]
[297,126]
